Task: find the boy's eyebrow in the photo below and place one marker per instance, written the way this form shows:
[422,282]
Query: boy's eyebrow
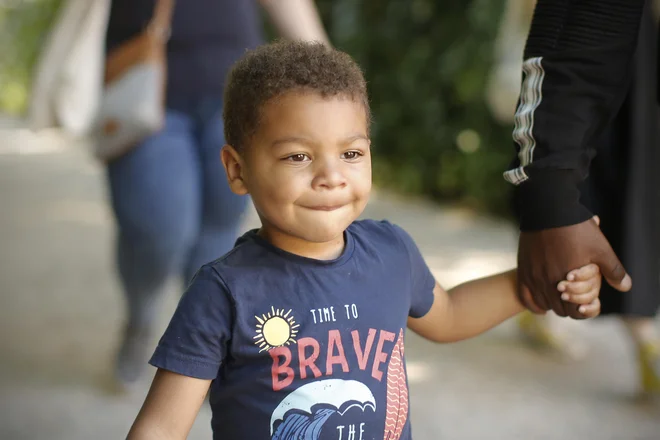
[354,138]
[291,140]
[305,141]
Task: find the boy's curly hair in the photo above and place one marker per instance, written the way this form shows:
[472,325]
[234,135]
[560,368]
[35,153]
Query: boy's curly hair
[276,68]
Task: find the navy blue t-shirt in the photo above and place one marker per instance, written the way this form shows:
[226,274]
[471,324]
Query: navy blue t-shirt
[300,348]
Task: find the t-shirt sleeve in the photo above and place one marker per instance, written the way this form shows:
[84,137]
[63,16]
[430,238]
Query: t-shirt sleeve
[421,278]
[195,342]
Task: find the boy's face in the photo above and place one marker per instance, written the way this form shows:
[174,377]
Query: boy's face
[308,167]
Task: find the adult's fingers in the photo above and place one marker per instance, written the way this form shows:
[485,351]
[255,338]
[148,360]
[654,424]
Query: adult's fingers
[612,270]
[527,299]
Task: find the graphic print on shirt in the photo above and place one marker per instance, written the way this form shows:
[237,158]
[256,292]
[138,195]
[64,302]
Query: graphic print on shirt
[397,393]
[317,410]
[275,329]
[333,408]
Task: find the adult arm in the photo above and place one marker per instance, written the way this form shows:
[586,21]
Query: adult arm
[296,19]
[575,75]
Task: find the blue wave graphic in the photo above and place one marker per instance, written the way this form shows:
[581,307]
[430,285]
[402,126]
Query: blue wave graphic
[302,426]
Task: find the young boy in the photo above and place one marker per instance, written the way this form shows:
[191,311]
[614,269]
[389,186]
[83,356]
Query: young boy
[299,330]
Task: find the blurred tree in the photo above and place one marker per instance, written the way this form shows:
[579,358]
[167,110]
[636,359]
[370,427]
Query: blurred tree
[427,63]
[23,27]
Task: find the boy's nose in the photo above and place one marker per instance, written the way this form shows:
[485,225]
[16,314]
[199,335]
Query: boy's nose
[329,176]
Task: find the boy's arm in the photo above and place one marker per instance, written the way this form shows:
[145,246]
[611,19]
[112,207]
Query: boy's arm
[170,408]
[188,358]
[476,306]
[469,309]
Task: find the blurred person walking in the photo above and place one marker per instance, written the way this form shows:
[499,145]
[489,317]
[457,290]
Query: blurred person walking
[169,194]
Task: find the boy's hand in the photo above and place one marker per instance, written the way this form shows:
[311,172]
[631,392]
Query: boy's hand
[582,287]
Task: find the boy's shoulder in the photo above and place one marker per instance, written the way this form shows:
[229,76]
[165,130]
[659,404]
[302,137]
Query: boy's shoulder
[379,230]
[379,233]
[241,263]
[245,253]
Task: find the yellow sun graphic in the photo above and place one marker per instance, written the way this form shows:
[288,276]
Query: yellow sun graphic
[275,329]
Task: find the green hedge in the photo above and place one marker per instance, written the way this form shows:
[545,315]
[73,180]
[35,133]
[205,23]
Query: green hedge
[23,28]
[426,64]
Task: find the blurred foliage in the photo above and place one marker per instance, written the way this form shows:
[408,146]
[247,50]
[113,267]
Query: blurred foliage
[24,24]
[426,64]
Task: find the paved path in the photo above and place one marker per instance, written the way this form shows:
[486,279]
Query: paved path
[60,315]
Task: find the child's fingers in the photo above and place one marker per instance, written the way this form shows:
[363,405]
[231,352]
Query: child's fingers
[578,287]
[584,273]
[590,310]
[584,298]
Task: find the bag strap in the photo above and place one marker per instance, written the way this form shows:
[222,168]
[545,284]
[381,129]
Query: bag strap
[161,20]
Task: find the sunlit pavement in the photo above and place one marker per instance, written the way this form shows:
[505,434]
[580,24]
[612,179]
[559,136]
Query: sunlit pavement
[60,313]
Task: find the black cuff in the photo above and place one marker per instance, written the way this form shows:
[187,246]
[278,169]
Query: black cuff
[549,198]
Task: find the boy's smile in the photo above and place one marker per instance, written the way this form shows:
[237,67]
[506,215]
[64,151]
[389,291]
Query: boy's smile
[308,170]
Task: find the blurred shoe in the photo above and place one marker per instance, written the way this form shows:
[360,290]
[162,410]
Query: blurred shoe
[132,357]
[537,333]
[649,367]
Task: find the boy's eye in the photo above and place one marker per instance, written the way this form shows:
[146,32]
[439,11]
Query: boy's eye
[297,157]
[350,155]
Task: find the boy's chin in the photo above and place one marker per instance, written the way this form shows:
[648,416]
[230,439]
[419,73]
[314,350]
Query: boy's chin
[319,233]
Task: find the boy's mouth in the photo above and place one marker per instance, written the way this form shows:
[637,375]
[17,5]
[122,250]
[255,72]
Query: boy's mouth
[325,207]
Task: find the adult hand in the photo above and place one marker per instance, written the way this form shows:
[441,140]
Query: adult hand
[545,258]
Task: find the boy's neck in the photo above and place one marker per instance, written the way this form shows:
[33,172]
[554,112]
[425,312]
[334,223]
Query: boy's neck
[318,251]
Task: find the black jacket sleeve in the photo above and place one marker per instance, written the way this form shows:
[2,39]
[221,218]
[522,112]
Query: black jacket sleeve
[576,71]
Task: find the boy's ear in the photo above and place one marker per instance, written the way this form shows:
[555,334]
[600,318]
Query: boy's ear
[234,168]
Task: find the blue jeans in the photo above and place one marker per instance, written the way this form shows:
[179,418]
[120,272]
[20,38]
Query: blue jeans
[173,207]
